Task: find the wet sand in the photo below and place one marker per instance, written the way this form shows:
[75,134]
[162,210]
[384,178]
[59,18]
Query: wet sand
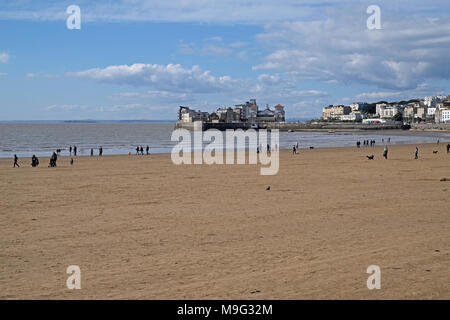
[142,228]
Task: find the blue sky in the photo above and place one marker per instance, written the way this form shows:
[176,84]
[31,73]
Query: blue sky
[136,59]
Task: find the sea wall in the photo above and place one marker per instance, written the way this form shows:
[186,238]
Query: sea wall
[431,126]
[324,126]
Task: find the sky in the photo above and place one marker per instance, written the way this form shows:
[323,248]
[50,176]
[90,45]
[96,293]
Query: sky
[141,59]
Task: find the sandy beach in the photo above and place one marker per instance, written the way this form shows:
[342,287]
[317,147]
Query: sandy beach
[141,227]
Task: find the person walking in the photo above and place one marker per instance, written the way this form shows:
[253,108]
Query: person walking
[147,149]
[448,148]
[385,152]
[70,150]
[16,159]
[75,150]
[416,153]
[100,151]
[92,152]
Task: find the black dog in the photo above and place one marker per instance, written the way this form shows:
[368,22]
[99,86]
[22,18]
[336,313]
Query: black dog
[435,152]
[370,157]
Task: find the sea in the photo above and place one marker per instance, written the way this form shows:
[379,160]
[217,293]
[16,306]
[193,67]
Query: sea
[43,138]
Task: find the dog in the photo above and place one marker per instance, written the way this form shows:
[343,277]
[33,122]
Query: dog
[268,188]
[370,157]
[311,148]
[435,152]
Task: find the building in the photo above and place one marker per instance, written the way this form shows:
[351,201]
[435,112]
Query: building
[388,111]
[189,115]
[431,101]
[442,114]
[374,121]
[248,112]
[420,113]
[354,116]
[335,112]
[359,106]
[279,113]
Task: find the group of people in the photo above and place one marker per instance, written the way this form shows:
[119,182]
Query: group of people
[367,143]
[75,151]
[140,150]
[54,157]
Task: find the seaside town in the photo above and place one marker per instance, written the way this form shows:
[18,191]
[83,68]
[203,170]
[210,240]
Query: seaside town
[432,109]
[249,112]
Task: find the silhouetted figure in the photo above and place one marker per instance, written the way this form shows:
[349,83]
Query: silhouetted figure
[75,150]
[147,149]
[358,144]
[92,152]
[71,161]
[100,151]
[385,152]
[448,148]
[53,159]
[137,150]
[294,150]
[142,150]
[15,161]
[34,161]
[416,153]
[70,150]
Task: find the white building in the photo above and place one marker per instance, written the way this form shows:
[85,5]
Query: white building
[373,121]
[354,116]
[388,111]
[431,111]
[445,115]
[432,100]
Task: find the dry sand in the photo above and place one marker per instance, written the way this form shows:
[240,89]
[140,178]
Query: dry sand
[141,227]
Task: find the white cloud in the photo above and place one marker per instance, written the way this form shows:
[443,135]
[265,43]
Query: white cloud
[4,57]
[32,75]
[420,91]
[171,77]
[406,52]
